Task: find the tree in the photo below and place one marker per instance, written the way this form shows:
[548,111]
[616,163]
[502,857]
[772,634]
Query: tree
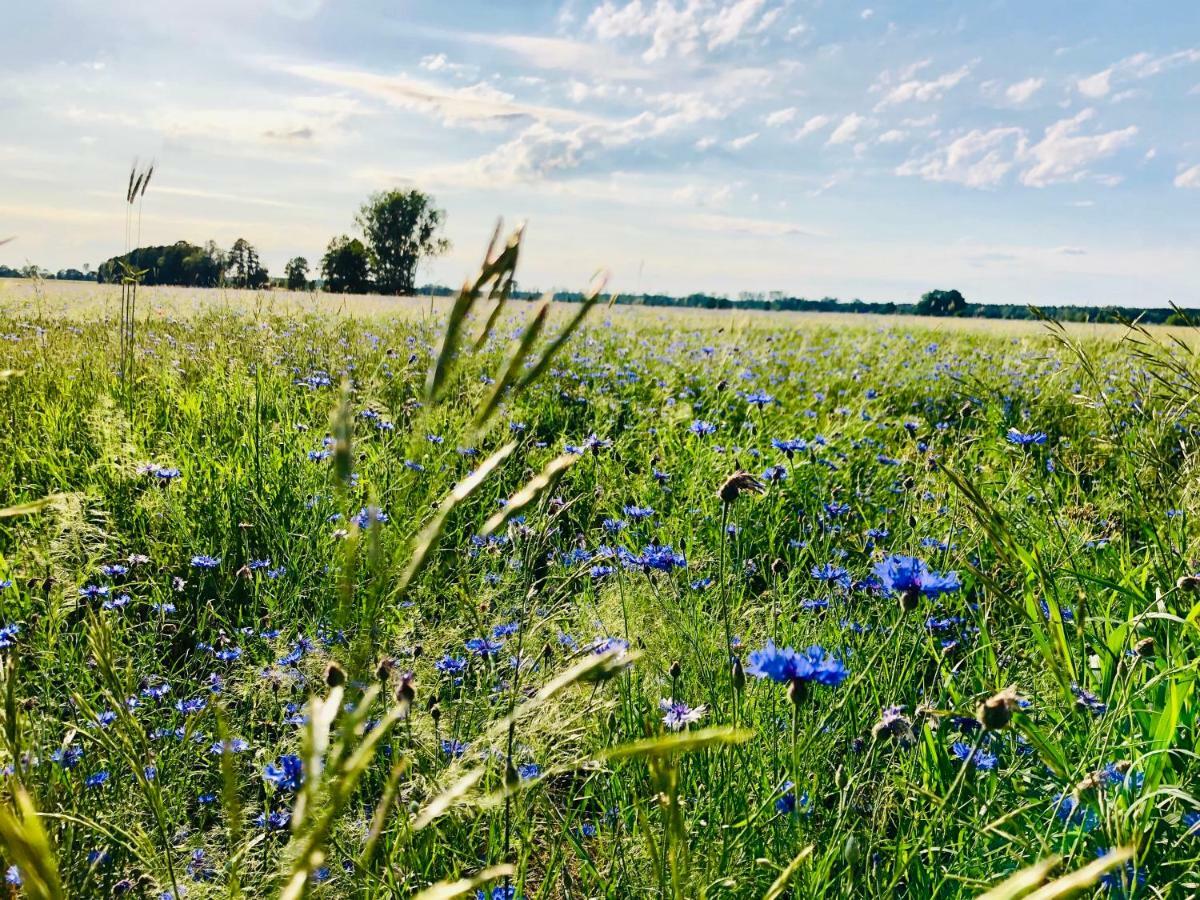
[941,303]
[296,271]
[345,267]
[244,268]
[400,228]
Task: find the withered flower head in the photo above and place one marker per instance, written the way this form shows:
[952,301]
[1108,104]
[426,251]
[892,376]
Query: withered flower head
[335,675]
[996,711]
[739,483]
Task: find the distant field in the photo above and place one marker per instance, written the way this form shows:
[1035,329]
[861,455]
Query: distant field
[84,300]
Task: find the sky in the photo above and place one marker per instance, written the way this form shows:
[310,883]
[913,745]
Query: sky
[1020,151]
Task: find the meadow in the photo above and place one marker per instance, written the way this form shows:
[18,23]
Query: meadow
[313,597]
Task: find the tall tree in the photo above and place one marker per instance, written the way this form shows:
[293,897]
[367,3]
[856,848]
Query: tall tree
[296,271]
[244,268]
[400,228]
[345,267]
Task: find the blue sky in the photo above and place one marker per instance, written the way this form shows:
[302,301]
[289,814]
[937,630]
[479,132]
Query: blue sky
[1019,151]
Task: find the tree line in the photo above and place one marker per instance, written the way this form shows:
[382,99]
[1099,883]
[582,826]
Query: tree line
[398,229]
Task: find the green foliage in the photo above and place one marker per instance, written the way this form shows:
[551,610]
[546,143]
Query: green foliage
[508,447]
[401,228]
[941,303]
[345,267]
[296,271]
[180,263]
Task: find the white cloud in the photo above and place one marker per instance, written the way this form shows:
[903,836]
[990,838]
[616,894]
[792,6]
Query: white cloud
[705,143]
[1096,86]
[847,129]
[477,104]
[744,141]
[1021,91]
[978,159]
[922,91]
[1063,155]
[559,54]
[1135,67]
[439,62]
[680,30]
[982,159]
[1188,178]
[893,136]
[723,224]
[816,123]
[727,25]
[781,117]
[866,14]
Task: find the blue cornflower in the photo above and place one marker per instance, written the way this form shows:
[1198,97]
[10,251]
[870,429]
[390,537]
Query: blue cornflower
[1085,699]
[788,803]
[192,706]
[97,779]
[759,398]
[204,561]
[1025,439]
[8,635]
[660,557]
[236,745]
[1068,809]
[638,513]
[484,647]
[12,875]
[980,760]
[368,515]
[702,428]
[677,715]
[288,775]
[450,664]
[911,578]
[832,574]
[93,591]
[1191,821]
[784,665]
[790,446]
[1123,881]
[454,748]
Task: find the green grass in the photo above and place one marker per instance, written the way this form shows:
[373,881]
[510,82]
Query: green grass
[905,432]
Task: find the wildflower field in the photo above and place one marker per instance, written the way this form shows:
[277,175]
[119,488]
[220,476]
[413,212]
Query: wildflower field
[341,606]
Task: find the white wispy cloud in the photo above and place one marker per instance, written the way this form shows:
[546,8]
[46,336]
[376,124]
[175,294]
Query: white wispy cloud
[1064,155]
[914,89]
[982,158]
[848,129]
[1021,91]
[681,29]
[1135,67]
[476,104]
[1188,178]
[979,159]
[723,224]
[780,117]
[812,125]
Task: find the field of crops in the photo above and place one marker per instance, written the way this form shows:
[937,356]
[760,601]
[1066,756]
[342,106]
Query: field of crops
[313,603]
